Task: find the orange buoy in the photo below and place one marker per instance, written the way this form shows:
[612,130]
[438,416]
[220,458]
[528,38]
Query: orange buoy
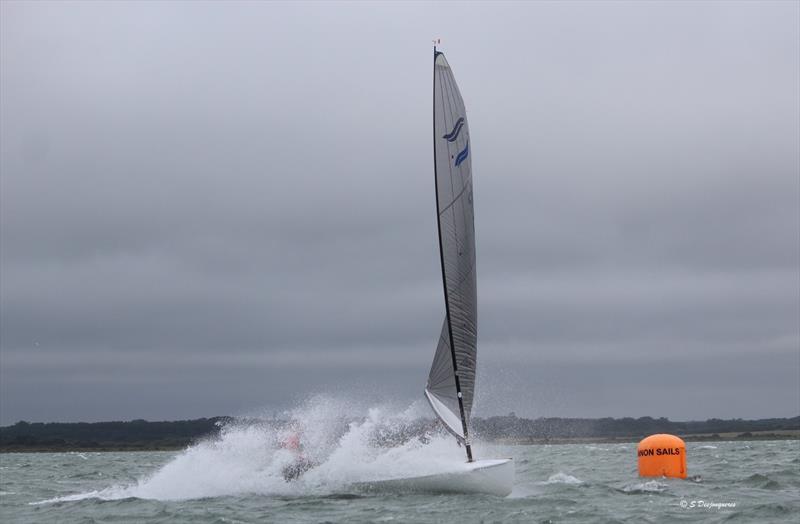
[662,455]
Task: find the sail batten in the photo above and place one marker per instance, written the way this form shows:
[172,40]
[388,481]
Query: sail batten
[451,381]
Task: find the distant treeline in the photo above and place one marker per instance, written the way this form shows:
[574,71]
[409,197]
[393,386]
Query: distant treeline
[143,435]
[122,436]
[511,427]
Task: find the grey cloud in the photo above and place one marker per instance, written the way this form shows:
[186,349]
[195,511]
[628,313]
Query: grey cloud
[188,188]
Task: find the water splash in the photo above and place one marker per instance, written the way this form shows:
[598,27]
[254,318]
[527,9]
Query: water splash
[247,458]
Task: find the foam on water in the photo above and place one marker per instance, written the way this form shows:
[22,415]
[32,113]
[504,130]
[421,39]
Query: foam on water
[246,458]
[563,478]
[650,486]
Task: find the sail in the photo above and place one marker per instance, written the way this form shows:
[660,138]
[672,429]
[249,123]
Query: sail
[454,362]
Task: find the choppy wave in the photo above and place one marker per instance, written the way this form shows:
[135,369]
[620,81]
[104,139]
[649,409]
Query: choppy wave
[761,481]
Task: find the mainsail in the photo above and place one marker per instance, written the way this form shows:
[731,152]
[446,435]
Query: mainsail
[451,382]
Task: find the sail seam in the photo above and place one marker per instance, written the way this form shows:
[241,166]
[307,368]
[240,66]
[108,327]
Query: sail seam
[466,185]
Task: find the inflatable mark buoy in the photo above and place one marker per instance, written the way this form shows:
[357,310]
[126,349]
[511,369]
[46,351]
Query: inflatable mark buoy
[662,455]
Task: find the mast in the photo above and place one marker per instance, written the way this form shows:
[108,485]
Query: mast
[467,443]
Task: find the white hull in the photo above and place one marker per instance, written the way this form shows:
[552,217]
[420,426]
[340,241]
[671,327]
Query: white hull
[492,477]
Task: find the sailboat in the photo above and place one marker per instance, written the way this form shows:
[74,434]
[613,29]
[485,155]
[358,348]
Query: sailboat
[451,381]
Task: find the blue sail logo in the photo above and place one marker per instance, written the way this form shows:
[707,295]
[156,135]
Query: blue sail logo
[453,135]
[463,154]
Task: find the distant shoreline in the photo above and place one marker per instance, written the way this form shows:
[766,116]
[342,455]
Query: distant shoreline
[141,435]
[552,442]
[740,437]
[753,437]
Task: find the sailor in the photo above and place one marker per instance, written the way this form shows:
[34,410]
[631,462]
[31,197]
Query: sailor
[300,463]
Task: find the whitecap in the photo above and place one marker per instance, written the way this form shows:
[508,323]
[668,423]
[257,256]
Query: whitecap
[651,486]
[563,478]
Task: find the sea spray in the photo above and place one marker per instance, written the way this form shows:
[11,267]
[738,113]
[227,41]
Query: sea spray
[246,456]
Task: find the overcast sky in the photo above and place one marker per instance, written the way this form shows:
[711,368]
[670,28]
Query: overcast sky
[218,208]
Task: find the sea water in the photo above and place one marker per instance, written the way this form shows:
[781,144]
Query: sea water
[236,477]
